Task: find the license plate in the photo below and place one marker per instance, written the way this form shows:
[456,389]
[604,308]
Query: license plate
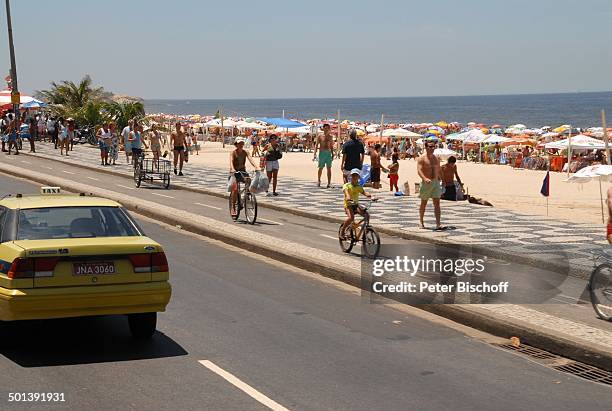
[96,268]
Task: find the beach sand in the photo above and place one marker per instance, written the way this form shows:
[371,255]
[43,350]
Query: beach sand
[503,186]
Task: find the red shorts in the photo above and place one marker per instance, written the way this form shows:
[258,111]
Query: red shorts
[609,230]
[393,179]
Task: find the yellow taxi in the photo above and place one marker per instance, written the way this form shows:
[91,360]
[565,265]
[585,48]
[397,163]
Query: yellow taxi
[78,255]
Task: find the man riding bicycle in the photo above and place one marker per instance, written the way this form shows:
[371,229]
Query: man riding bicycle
[238,158]
[352,190]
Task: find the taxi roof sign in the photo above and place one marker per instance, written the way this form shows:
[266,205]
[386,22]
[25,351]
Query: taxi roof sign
[50,190]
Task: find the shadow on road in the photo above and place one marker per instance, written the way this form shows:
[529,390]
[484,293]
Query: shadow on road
[80,341]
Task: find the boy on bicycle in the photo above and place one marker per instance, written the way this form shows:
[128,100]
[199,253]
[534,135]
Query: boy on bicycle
[351,191]
[238,159]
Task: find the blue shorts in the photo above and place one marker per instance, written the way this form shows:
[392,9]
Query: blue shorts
[12,137]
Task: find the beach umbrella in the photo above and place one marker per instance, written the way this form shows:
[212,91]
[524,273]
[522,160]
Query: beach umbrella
[579,142]
[495,139]
[519,141]
[400,132]
[602,172]
[442,124]
[34,104]
[372,128]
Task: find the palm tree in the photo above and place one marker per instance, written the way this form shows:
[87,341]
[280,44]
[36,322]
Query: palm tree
[71,97]
[94,113]
[123,111]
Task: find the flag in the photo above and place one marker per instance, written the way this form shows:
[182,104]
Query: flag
[545,191]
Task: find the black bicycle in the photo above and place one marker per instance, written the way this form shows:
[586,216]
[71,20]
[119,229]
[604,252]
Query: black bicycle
[243,199]
[360,231]
[600,284]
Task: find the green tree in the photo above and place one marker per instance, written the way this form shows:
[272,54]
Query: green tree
[67,98]
[122,112]
[94,113]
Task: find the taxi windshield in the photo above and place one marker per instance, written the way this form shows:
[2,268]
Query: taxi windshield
[74,222]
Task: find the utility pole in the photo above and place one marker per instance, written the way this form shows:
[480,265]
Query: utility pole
[15,98]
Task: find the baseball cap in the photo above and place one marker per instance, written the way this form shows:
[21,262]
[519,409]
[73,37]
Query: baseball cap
[356,171]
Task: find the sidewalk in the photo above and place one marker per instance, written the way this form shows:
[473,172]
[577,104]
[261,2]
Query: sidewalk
[499,233]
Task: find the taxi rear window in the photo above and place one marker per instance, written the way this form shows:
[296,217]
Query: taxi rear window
[74,222]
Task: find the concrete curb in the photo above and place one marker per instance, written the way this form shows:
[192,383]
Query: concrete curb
[578,272]
[341,268]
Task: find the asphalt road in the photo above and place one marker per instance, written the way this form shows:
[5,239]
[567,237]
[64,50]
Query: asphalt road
[570,300]
[304,342]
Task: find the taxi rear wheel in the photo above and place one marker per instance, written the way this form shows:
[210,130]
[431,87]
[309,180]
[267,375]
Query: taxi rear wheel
[142,325]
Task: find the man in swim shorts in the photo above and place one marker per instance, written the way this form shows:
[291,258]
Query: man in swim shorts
[177,140]
[428,168]
[325,144]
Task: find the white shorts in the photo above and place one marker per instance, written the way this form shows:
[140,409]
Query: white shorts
[272,165]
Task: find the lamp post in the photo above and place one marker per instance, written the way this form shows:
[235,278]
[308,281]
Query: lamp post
[14,89]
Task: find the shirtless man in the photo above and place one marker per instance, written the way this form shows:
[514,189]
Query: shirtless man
[376,166]
[325,144]
[449,172]
[177,141]
[428,168]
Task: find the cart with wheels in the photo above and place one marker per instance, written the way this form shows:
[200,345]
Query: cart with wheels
[150,170]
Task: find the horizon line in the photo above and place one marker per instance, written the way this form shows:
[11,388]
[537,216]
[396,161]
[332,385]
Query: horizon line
[379,97]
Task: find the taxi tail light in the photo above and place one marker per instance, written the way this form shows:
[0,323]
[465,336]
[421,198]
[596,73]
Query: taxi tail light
[159,263]
[32,267]
[149,262]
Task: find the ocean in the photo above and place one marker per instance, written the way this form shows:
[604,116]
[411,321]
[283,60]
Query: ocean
[533,110]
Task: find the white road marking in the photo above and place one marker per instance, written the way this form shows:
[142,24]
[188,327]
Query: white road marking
[246,388]
[162,195]
[126,187]
[48,168]
[26,162]
[209,206]
[93,178]
[270,221]
[67,172]
[328,236]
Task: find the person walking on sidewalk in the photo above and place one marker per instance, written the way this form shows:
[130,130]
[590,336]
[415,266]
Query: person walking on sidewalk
[52,130]
[155,143]
[177,141]
[428,168]
[113,149]
[353,153]
[325,144]
[125,140]
[12,130]
[104,140]
[272,154]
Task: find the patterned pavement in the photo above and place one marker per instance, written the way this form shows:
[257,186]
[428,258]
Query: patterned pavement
[528,236]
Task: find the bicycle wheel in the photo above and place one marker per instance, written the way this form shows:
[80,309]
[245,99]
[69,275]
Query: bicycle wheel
[137,175]
[371,243]
[235,205]
[250,206]
[346,239]
[600,288]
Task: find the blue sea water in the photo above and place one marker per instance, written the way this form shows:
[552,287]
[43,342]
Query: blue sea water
[533,110]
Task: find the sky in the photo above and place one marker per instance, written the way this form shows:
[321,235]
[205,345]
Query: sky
[188,49]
